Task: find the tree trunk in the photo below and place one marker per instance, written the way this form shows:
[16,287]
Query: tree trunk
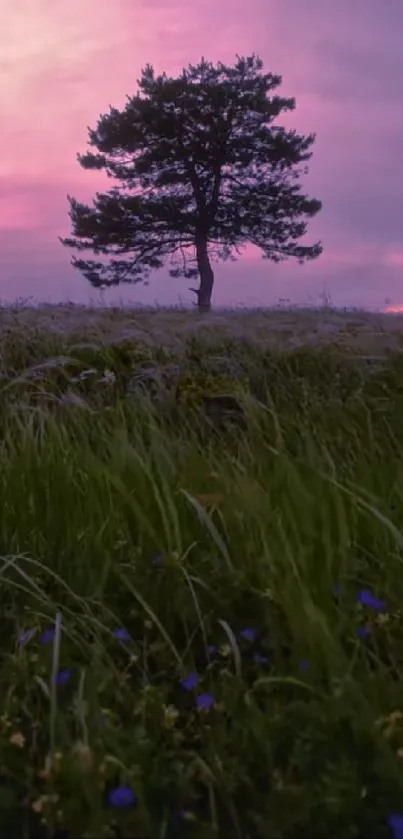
[206,275]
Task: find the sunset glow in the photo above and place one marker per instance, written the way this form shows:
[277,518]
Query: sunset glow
[62,65]
[394,310]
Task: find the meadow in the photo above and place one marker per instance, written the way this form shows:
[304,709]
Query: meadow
[201,560]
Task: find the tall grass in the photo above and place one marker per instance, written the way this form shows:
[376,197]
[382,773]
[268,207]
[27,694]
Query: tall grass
[201,626]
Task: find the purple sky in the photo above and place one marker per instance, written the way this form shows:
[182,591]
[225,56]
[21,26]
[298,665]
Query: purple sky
[63,64]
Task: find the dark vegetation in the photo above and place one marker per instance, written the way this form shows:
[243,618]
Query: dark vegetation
[201,621]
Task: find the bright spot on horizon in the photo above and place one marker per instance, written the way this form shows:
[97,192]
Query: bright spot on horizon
[394,309]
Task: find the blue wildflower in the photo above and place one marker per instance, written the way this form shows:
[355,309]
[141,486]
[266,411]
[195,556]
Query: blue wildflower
[258,658]
[190,682]
[395,822]
[63,676]
[304,664]
[337,590]
[248,634]
[47,636]
[366,598]
[122,797]
[212,649]
[205,700]
[121,634]
[363,631]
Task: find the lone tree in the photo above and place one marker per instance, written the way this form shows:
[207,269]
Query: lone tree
[202,171]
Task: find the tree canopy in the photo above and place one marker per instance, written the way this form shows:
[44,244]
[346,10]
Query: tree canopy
[200,171]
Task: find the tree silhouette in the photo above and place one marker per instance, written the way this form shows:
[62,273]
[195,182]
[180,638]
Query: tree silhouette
[200,168]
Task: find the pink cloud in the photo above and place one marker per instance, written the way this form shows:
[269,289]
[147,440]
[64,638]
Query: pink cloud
[394,259]
[62,64]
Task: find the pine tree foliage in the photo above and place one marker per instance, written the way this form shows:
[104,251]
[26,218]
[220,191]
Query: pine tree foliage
[200,170]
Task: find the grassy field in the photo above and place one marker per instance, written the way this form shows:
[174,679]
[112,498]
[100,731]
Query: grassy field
[201,599]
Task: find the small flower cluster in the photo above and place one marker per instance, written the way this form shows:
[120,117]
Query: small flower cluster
[367,600]
[47,637]
[203,700]
[124,796]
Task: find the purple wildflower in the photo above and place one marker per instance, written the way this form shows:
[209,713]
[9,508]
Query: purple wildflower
[190,682]
[395,822]
[47,636]
[248,634]
[304,664]
[122,797]
[366,598]
[363,631]
[337,590]
[63,676]
[205,701]
[121,634]
[258,658]
[212,649]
